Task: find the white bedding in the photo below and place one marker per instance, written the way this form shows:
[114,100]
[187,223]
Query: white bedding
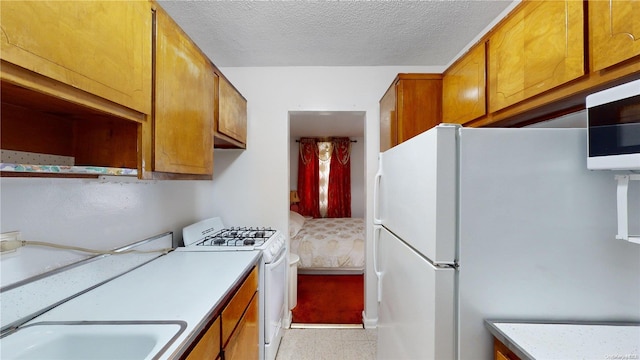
[329,244]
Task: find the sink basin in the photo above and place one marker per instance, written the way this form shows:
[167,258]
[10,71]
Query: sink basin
[91,340]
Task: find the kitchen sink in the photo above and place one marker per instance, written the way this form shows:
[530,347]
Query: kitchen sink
[85,340]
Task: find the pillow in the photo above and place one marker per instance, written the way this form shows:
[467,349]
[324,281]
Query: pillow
[295,223]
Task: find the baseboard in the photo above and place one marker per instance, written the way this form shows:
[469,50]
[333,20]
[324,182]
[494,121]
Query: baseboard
[325,326]
[369,323]
[286,321]
[330,271]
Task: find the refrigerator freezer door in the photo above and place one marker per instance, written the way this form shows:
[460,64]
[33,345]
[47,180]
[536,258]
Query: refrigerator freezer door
[417,311]
[418,192]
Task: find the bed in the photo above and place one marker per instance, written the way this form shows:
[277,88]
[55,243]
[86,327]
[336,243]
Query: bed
[327,245]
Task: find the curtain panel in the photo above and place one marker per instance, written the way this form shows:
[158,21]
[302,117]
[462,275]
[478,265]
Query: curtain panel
[308,174]
[339,198]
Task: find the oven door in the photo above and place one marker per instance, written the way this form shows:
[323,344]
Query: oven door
[274,291]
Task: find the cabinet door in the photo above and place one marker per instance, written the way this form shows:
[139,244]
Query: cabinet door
[101,47]
[233,311]
[502,352]
[232,112]
[183,119]
[244,344]
[537,48]
[388,120]
[419,105]
[209,345]
[614,32]
[464,88]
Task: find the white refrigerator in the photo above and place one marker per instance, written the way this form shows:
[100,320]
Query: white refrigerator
[508,224]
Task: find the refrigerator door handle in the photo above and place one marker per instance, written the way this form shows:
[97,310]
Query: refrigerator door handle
[377,229]
[376,193]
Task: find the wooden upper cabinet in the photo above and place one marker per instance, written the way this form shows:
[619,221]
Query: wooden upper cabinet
[184,93]
[463,87]
[614,32]
[411,105]
[388,119]
[231,119]
[537,48]
[101,47]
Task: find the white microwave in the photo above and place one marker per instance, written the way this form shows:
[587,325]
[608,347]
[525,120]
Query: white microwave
[614,128]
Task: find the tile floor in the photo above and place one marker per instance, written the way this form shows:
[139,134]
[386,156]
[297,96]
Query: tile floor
[318,344]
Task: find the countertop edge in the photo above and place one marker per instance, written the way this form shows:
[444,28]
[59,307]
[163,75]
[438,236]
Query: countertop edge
[181,349]
[506,340]
[490,324]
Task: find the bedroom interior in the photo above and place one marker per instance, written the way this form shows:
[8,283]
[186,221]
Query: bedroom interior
[327,230]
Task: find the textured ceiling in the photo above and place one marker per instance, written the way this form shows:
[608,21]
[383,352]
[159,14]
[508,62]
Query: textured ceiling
[333,33]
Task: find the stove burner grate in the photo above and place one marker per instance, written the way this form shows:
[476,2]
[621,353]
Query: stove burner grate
[238,236]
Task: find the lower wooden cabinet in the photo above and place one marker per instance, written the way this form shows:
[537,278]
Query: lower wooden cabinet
[501,352]
[244,342]
[240,321]
[234,334]
[209,345]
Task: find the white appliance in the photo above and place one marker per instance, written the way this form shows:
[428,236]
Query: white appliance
[614,128]
[212,235]
[476,224]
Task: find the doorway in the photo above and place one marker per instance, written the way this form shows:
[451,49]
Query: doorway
[332,267]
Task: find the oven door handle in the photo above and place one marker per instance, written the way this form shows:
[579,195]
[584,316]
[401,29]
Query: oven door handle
[280,258]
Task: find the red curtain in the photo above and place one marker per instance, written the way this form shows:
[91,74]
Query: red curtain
[308,174]
[340,179]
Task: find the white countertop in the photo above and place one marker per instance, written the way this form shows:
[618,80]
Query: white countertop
[570,340]
[179,286]
[24,300]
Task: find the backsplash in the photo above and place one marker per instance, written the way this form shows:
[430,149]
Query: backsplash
[24,301]
[23,157]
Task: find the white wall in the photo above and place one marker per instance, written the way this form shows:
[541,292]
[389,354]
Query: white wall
[578,119]
[250,187]
[358,200]
[95,214]
[253,186]
[358,179]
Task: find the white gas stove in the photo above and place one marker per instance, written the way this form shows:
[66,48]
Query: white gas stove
[212,235]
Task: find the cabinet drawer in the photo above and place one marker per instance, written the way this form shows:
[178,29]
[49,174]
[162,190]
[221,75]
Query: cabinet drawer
[236,307]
